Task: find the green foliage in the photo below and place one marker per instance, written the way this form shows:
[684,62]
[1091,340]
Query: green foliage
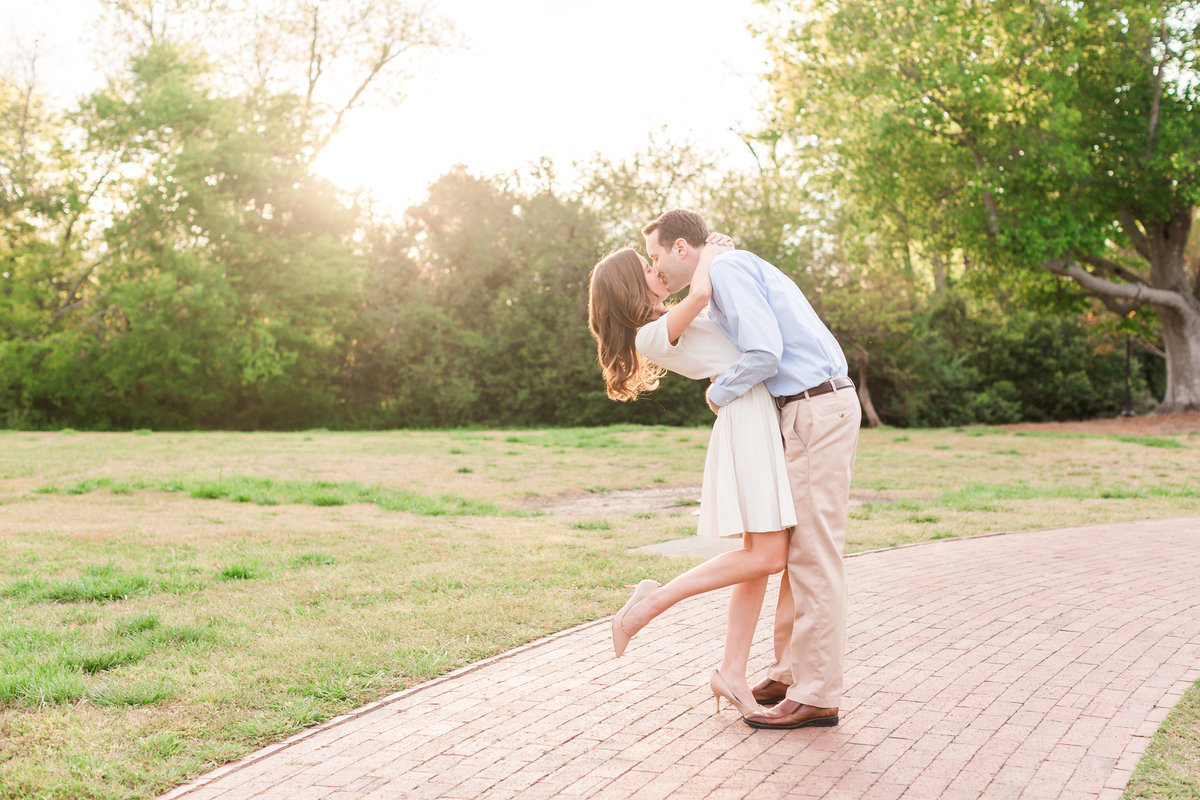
[1023,141]
[171,261]
[228,275]
[478,315]
[960,364]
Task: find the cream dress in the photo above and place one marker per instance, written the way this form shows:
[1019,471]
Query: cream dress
[745,477]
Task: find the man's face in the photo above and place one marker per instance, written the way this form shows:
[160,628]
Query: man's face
[654,280]
[666,260]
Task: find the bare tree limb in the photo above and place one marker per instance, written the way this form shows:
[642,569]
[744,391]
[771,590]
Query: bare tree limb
[1101,287]
[314,55]
[26,111]
[94,318]
[1131,228]
[1120,307]
[989,201]
[78,304]
[386,55]
[1114,269]
[87,201]
[1145,344]
[70,302]
[1156,71]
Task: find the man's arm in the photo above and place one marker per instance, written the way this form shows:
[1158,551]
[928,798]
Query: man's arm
[752,325]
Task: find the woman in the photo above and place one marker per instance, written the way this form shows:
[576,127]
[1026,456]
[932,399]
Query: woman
[745,490]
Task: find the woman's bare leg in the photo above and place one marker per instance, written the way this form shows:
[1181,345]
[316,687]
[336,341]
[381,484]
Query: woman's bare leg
[745,605]
[762,554]
[785,614]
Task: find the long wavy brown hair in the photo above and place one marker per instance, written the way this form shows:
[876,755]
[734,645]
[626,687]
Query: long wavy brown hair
[620,302]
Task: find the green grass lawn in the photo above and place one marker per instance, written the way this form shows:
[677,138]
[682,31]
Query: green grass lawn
[172,601]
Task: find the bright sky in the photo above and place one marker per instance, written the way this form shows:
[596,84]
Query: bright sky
[550,78]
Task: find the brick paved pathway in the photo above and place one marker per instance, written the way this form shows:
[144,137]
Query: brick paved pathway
[1029,665]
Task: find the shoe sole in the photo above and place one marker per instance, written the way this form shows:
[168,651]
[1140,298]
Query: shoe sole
[815,722]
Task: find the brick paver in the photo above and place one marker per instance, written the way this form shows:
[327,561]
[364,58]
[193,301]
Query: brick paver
[1032,665]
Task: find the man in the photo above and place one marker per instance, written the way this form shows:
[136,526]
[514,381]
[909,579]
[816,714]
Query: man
[785,345]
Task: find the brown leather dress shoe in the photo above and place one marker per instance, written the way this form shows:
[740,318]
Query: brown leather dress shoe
[790,714]
[769,692]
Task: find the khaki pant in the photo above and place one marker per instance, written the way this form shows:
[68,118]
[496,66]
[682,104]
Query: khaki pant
[819,440]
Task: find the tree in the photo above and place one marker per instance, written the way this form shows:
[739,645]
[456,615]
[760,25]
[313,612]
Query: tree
[1050,137]
[218,284]
[499,285]
[335,55]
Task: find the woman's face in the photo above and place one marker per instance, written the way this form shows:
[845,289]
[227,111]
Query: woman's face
[654,280]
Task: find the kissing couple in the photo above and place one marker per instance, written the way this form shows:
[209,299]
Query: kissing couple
[777,471]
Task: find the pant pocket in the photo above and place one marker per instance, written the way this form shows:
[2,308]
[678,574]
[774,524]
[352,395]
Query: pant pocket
[797,427]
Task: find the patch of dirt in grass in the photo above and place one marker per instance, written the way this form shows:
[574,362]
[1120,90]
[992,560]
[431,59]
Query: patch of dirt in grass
[626,501]
[639,501]
[1135,426]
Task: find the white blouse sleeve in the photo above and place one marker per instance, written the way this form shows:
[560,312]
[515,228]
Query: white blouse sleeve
[688,356]
[652,341]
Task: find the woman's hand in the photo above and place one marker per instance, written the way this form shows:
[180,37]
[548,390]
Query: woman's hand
[700,289]
[714,245]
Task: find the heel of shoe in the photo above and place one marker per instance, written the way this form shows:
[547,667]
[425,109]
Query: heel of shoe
[824,722]
[720,689]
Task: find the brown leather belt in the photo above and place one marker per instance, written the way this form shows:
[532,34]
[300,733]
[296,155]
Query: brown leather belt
[831,385]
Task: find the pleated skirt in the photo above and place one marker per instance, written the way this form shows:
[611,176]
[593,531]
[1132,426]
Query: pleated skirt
[745,485]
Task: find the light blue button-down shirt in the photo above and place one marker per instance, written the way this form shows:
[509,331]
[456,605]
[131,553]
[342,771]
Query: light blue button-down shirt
[783,341]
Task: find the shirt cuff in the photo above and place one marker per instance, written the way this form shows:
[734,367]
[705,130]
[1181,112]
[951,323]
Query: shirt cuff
[722,395]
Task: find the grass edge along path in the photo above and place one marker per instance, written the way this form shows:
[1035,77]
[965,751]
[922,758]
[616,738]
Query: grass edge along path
[1170,767]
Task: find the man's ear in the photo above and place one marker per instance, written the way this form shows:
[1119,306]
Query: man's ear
[681,247]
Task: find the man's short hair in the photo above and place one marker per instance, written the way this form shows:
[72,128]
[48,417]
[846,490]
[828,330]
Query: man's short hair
[678,223]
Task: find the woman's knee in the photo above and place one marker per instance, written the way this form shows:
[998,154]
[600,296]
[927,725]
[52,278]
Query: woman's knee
[777,560]
[769,551]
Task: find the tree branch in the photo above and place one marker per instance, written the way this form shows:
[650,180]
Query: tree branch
[1145,344]
[314,56]
[386,56]
[989,202]
[1113,268]
[72,306]
[26,113]
[1157,68]
[1119,307]
[1136,237]
[1101,287]
[1156,71]
[94,318]
[87,201]
[70,303]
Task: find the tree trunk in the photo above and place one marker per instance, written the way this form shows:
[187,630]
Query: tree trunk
[1181,337]
[1165,244]
[940,282]
[864,397]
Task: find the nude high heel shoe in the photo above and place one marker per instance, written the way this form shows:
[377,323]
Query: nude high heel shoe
[619,636]
[721,689]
